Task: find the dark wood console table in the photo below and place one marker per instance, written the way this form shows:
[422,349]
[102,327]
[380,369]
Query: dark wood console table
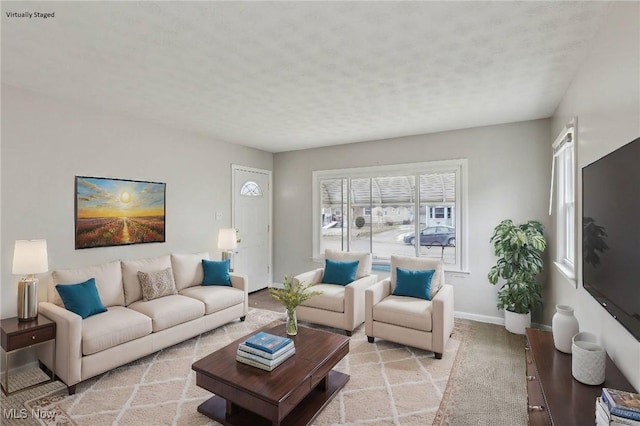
[555,397]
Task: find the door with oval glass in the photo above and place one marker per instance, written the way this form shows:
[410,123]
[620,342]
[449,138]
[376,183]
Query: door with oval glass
[252,217]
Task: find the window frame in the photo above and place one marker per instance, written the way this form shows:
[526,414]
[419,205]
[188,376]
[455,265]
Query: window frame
[457,166]
[564,157]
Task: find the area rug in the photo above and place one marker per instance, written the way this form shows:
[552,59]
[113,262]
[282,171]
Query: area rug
[487,385]
[390,384]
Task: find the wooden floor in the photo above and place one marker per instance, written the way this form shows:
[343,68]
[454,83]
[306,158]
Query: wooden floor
[260,299]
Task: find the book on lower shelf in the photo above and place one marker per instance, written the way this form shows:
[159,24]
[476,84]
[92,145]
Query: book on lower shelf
[622,404]
[604,416]
[267,342]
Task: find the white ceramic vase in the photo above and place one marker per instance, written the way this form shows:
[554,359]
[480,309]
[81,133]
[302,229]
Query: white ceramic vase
[516,323]
[588,359]
[564,325]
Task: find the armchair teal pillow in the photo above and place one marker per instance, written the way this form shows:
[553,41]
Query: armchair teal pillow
[342,273]
[216,272]
[82,299]
[414,283]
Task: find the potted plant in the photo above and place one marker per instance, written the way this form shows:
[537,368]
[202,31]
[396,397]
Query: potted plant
[291,296]
[519,249]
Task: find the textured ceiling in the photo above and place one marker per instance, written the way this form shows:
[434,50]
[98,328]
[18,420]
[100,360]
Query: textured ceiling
[282,76]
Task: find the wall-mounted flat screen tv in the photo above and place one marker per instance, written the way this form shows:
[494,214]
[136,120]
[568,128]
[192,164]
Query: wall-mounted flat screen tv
[611,233]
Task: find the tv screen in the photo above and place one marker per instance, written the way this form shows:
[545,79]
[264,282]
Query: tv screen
[611,233]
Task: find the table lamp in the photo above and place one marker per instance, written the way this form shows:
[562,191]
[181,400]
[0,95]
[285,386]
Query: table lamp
[30,258]
[227,241]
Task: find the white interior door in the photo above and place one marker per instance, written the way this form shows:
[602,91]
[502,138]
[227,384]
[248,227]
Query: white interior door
[252,217]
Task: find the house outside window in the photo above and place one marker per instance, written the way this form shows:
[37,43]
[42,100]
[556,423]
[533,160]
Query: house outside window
[564,169]
[385,207]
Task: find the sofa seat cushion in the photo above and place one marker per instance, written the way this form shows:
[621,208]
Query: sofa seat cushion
[215,297]
[111,328]
[168,311]
[408,312]
[331,299]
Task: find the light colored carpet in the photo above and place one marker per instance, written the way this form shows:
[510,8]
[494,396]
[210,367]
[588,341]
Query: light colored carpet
[390,384]
[13,408]
[488,383]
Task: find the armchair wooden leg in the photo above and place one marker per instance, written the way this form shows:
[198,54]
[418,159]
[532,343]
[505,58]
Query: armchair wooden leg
[243,318]
[348,332]
[371,339]
[438,355]
[71,389]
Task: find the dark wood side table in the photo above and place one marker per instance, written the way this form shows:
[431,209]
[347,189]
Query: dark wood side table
[18,335]
[555,397]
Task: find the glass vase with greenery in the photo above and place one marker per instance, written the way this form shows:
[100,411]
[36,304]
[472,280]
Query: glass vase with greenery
[519,249]
[291,296]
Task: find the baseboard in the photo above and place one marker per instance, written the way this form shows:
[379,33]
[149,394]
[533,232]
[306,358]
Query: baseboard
[494,320]
[479,318]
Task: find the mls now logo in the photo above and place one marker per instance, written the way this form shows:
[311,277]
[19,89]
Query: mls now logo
[14,413]
[23,413]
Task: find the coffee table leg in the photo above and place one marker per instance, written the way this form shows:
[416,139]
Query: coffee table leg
[231,408]
[323,384]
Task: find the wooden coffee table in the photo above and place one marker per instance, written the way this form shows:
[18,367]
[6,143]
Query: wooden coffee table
[292,394]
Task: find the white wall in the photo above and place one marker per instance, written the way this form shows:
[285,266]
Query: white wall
[509,174]
[605,96]
[46,143]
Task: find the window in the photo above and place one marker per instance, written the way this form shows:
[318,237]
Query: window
[564,169]
[251,189]
[382,209]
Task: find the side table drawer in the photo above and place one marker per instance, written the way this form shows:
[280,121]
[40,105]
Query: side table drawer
[22,340]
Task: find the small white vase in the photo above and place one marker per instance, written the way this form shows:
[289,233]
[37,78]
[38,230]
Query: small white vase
[588,359]
[564,325]
[516,323]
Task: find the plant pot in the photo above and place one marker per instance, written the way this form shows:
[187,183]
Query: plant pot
[516,323]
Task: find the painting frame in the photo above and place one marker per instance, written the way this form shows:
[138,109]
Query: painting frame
[118,212]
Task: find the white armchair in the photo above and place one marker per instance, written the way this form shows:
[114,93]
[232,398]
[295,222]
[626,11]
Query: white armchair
[339,306]
[411,321]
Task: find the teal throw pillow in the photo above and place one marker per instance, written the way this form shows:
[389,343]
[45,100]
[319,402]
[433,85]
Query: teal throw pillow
[216,272]
[82,299]
[414,283]
[342,273]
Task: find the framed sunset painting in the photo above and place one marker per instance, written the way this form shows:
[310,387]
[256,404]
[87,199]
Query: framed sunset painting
[114,212]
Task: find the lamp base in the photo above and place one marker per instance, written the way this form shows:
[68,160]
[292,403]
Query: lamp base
[27,299]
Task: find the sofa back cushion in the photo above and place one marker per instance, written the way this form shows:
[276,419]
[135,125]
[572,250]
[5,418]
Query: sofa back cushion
[415,264]
[364,259]
[130,268]
[108,279]
[187,269]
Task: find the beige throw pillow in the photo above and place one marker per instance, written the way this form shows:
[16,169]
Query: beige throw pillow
[157,284]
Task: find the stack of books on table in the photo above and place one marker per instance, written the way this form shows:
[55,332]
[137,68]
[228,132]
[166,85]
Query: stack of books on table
[265,351]
[617,408]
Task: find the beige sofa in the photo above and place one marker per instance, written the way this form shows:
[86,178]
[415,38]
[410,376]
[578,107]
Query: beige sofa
[133,328]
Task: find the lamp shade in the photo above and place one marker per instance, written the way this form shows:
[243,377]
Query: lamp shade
[30,257]
[227,239]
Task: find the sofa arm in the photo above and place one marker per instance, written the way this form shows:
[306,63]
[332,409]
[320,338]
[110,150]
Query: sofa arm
[442,321]
[374,295]
[354,300]
[241,282]
[68,343]
[310,277]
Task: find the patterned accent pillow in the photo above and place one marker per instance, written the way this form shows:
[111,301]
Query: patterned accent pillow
[157,284]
